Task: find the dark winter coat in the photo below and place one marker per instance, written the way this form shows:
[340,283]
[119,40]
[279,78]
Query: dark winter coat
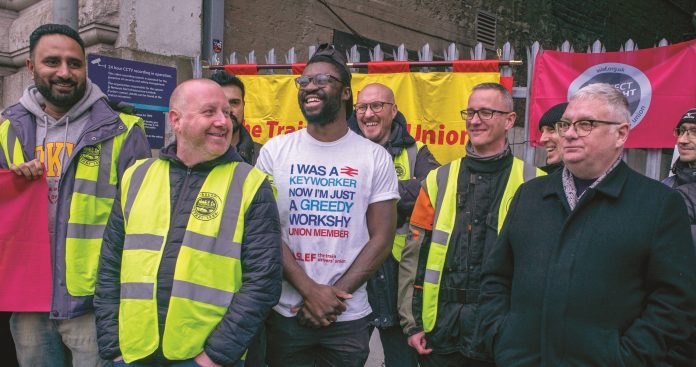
[611,283]
[260,257]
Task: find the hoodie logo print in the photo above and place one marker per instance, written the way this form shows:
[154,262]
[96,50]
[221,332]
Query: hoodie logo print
[51,158]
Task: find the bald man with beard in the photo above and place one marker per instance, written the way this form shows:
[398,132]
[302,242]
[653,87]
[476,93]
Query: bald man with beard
[377,118]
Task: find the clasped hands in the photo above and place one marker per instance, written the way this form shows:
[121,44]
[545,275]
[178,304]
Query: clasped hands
[322,305]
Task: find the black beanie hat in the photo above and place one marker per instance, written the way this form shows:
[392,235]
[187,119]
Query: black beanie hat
[553,115]
[689,116]
[327,53]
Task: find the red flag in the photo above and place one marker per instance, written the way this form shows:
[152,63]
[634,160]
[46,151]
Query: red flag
[660,84]
[377,67]
[25,253]
[241,69]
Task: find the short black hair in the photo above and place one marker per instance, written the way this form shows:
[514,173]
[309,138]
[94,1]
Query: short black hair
[223,78]
[327,53]
[49,29]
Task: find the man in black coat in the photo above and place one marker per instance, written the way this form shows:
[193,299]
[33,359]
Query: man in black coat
[191,261]
[594,265]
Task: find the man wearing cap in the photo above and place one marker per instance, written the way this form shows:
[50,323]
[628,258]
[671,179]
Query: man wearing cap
[684,181]
[337,196]
[377,118]
[192,284]
[235,92]
[550,139]
[455,222]
[610,280]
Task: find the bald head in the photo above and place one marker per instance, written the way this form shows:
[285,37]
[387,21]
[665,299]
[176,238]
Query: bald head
[382,90]
[200,117]
[184,91]
[375,112]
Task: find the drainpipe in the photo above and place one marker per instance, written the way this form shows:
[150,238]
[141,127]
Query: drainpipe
[65,12]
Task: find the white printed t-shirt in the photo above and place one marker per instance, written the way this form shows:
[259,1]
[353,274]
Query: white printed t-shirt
[324,190]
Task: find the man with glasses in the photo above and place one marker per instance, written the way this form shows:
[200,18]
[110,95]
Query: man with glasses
[377,118]
[594,266]
[454,224]
[550,138]
[684,181]
[337,196]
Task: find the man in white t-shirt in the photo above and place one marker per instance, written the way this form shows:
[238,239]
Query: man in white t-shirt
[337,195]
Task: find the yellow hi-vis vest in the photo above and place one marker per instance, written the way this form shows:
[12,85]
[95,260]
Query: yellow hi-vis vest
[441,186]
[208,270]
[405,165]
[93,194]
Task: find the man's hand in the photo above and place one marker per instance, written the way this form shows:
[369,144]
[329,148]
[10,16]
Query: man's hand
[31,170]
[322,305]
[417,342]
[204,361]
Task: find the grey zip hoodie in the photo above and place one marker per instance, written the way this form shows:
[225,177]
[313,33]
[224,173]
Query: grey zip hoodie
[55,139]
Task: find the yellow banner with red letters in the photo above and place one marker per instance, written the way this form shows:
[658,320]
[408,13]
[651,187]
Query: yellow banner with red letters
[430,102]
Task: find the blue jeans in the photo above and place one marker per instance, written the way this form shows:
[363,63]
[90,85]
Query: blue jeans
[41,341]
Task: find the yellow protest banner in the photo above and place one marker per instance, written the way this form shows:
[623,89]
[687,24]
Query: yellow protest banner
[430,101]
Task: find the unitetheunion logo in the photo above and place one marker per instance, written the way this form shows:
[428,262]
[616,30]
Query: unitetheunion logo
[627,79]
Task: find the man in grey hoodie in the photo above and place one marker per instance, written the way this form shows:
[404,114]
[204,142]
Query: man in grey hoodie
[63,128]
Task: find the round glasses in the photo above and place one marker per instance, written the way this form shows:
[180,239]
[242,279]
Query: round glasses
[320,80]
[679,131]
[375,106]
[582,127]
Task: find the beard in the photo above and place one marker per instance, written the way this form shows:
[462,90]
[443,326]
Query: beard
[329,110]
[60,99]
[235,123]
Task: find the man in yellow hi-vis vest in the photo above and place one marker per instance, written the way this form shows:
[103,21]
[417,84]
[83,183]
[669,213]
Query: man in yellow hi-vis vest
[191,261]
[377,118]
[454,224]
[64,129]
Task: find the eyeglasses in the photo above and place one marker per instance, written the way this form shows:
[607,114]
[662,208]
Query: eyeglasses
[484,113]
[679,131]
[320,80]
[582,127]
[375,106]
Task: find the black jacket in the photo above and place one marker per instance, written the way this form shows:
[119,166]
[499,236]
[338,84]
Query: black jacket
[611,283]
[247,148]
[260,256]
[480,188]
[382,287]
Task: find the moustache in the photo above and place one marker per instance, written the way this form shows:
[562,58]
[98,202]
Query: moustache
[63,81]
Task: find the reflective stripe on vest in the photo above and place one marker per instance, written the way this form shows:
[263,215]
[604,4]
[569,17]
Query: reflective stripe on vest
[405,165]
[441,186]
[11,147]
[208,270]
[96,178]
[90,204]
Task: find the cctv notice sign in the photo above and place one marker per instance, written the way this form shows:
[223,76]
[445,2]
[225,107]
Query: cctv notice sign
[147,87]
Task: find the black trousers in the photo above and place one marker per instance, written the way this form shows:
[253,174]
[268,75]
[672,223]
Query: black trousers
[451,360]
[341,344]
